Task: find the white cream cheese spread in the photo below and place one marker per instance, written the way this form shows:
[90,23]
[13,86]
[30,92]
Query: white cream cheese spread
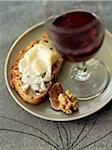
[36,66]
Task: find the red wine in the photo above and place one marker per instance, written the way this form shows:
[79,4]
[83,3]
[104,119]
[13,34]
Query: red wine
[77,35]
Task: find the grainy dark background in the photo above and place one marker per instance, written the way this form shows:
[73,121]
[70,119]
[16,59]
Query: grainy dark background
[91,133]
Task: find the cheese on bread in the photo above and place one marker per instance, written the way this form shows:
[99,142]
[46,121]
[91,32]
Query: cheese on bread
[36,65]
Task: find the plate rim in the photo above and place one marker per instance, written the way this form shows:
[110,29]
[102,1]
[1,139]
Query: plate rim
[19,103]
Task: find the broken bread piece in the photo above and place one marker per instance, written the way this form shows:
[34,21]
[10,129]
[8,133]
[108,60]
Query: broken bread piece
[35,69]
[62,100]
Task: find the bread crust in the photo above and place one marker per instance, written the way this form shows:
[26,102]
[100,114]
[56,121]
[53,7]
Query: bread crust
[29,96]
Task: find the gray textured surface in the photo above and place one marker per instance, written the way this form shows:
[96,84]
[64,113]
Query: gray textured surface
[91,133]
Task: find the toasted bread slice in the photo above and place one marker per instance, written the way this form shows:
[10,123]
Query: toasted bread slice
[30,96]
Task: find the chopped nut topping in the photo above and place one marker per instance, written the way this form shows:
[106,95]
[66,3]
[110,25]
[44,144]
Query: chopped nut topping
[67,102]
[64,101]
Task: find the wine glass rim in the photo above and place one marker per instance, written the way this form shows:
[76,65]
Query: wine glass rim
[78,30]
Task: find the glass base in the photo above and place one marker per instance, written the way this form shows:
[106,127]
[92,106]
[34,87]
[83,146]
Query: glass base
[88,85]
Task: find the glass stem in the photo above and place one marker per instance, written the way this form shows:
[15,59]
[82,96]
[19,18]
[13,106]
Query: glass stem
[79,72]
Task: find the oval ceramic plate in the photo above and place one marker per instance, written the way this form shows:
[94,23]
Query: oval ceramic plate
[44,109]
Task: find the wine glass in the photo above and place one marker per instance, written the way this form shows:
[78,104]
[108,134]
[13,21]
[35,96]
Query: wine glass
[77,30]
